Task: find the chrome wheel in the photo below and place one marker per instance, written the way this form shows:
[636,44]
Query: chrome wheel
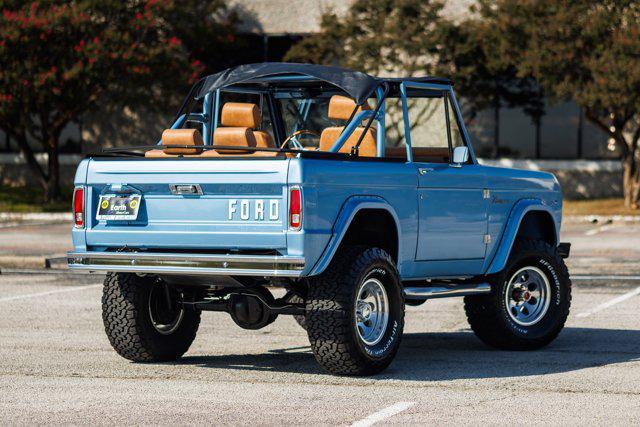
[165,309]
[527,296]
[372,311]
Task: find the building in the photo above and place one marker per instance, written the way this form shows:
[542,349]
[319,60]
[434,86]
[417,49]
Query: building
[564,142]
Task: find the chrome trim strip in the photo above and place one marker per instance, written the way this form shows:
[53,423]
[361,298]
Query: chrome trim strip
[428,292]
[177,263]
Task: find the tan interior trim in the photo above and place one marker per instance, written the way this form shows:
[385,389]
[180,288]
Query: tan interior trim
[420,154]
[156,153]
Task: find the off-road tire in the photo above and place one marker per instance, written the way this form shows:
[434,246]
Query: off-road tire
[331,318]
[300,319]
[488,316]
[127,322]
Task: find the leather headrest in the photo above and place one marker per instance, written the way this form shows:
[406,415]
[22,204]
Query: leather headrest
[240,114]
[235,137]
[341,107]
[181,137]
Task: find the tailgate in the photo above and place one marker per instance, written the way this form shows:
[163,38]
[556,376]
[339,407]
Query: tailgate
[241,204]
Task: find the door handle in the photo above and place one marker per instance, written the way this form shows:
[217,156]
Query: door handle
[424,171]
[185,189]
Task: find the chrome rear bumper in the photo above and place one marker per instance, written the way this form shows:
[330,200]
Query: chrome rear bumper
[178,263]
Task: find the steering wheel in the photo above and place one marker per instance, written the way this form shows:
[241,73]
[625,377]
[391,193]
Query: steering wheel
[293,138]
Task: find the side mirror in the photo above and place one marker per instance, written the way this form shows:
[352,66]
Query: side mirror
[460,156]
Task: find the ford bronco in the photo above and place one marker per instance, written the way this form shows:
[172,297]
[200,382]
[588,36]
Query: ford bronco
[322,193]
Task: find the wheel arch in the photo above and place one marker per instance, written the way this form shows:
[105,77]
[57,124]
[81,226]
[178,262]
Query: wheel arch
[528,218]
[364,220]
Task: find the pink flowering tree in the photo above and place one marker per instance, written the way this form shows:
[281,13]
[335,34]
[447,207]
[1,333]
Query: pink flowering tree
[61,59]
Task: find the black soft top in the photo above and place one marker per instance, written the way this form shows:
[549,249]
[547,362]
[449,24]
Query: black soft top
[356,84]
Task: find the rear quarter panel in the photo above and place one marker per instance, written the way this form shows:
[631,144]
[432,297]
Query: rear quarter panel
[328,184]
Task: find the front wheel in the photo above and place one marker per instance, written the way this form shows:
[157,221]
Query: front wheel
[530,300]
[355,312]
[145,320]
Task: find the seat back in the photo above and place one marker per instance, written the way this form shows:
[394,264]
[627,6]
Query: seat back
[340,108]
[237,123]
[188,137]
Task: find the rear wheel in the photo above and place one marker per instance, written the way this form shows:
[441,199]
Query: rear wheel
[144,318]
[530,300]
[355,312]
[299,318]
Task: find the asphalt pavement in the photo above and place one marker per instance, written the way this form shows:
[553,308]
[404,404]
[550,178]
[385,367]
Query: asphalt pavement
[56,365]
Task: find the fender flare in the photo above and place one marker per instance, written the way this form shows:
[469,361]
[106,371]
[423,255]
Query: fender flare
[519,210]
[350,208]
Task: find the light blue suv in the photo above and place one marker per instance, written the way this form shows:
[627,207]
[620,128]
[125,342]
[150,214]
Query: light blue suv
[322,193]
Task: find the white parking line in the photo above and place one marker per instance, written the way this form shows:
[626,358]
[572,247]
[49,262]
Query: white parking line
[607,277]
[383,414]
[600,229]
[610,303]
[41,294]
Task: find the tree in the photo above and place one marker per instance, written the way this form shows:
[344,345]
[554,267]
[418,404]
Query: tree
[411,37]
[61,59]
[375,36]
[467,56]
[582,50]
[507,52]
[381,37]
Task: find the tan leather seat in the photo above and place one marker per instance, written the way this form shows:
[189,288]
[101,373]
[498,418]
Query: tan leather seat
[191,137]
[238,121]
[233,137]
[340,108]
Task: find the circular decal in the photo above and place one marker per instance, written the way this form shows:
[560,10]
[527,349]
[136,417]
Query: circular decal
[133,204]
[104,204]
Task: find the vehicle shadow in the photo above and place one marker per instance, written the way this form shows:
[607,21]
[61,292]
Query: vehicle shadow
[458,355]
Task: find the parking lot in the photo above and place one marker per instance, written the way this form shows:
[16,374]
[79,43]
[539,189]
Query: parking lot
[56,365]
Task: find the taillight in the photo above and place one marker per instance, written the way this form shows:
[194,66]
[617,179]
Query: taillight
[78,207]
[295,209]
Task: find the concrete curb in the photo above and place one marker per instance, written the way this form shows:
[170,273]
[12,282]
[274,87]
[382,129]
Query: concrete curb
[33,261]
[53,271]
[600,219]
[36,216]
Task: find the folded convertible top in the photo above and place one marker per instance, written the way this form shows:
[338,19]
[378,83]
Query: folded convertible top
[356,84]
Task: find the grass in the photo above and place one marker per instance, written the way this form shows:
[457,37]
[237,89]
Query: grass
[30,199]
[597,207]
